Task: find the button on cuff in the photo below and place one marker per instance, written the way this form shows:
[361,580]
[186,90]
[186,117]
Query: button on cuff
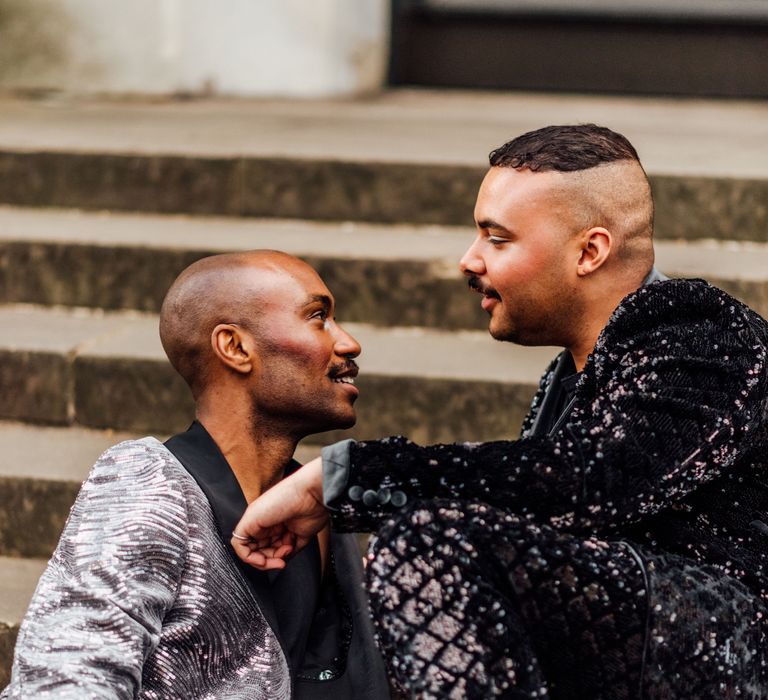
[399,499]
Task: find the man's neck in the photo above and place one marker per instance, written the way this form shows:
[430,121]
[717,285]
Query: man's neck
[598,311]
[257,459]
[582,351]
[600,306]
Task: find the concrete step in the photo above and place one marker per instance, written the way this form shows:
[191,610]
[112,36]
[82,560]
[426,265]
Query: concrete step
[107,370]
[41,469]
[741,269]
[404,156]
[18,578]
[385,275]
[381,274]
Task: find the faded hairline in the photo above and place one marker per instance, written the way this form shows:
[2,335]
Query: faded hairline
[616,196]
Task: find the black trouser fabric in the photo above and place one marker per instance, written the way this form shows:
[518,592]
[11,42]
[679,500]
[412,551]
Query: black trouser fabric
[473,602]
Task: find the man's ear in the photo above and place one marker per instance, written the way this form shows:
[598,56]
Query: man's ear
[234,347]
[596,247]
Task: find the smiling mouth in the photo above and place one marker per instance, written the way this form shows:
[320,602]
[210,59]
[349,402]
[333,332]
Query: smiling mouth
[344,380]
[344,372]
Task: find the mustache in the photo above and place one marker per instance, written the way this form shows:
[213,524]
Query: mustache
[476,285]
[347,367]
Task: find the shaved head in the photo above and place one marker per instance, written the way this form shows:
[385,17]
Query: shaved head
[597,181]
[218,289]
[615,196]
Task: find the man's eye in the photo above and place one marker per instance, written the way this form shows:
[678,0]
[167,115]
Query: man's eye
[322,315]
[495,240]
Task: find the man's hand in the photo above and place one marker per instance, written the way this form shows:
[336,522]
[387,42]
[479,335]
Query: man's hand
[282,520]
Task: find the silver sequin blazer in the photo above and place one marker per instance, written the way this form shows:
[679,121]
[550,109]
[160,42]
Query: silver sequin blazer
[141,598]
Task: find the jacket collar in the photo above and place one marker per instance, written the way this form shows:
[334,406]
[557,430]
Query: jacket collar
[201,457]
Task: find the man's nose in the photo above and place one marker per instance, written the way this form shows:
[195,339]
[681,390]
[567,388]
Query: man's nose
[346,345]
[471,262]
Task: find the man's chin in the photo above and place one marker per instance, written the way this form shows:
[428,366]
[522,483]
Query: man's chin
[511,335]
[340,422]
[346,423]
[500,333]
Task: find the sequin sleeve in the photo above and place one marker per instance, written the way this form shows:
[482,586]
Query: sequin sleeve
[97,612]
[674,392]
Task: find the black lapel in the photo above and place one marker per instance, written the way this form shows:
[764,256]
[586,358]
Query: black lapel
[551,395]
[201,457]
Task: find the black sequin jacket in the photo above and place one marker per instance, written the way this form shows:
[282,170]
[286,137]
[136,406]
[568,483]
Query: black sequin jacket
[666,443]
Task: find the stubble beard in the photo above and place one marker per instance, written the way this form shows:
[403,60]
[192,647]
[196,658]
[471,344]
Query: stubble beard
[310,418]
[519,332]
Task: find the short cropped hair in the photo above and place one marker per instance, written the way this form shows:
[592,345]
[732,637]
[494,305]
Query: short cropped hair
[564,148]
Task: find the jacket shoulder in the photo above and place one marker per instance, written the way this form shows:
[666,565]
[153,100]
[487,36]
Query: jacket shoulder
[144,463]
[680,308]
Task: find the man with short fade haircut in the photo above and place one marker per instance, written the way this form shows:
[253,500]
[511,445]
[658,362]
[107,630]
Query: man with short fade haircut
[144,597]
[618,548]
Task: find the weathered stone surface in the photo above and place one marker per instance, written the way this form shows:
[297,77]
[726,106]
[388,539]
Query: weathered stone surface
[5,268]
[437,410]
[310,189]
[35,386]
[33,514]
[687,207]
[726,209]
[18,578]
[384,292]
[131,394]
[106,277]
[8,635]
[381,192]
[124,182]
[380,273]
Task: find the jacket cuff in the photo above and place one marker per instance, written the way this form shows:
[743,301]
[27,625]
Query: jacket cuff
[335,472]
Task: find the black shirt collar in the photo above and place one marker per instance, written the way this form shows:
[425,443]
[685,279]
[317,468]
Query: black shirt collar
[202,458]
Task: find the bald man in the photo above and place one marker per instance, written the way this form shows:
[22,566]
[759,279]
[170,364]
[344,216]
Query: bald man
[144,597]
[618,548]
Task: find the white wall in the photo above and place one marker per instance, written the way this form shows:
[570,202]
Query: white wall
[233,47]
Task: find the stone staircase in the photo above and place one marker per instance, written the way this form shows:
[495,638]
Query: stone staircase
[102,204]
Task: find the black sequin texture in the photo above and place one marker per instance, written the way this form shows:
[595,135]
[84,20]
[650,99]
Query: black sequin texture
[624,556]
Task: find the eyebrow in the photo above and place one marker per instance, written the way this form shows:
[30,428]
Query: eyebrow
[493,225]
[323,299]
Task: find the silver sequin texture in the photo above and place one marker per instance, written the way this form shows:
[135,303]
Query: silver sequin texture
[141,598]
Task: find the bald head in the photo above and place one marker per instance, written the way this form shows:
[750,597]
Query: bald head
[227,288]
